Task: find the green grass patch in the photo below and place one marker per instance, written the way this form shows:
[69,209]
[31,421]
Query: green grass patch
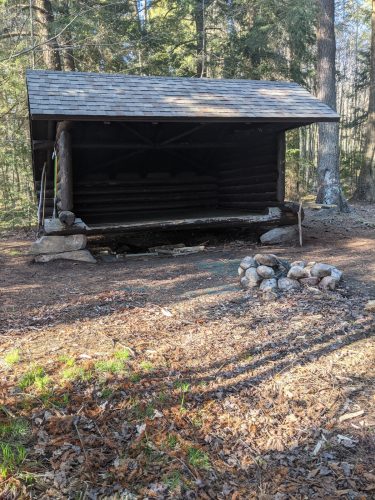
[33,376]
[12,357]
[76,373]
[135,377]
[106,393]
[146,366]
[122,355]
[172,441]
[173,480]
[16,429]
[67,360]
[198,458]
[51,399]
[11,457]
[109,366]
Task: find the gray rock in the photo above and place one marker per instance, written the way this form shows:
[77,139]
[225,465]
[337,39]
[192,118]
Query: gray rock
[335,273]
[297,272]
[288,284]
[300,263]
[248,262]
[265,272]
[251,278]
[268,285]
[321,270]
[328,283]
[310,281]
[241,272]
[280,235]
[370,306]
[58,244]
[67,217]
[266,259]
[80,255]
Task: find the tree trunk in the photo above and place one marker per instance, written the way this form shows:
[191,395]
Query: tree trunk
[199,17]
[67,41]
[328,172]
[45,18]
[366,180]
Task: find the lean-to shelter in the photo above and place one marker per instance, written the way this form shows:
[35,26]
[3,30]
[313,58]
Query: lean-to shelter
[130,152]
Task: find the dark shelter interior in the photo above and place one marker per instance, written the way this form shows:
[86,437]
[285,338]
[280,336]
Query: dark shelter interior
[124,171]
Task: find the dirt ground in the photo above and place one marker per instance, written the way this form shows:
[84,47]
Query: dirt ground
[158,377]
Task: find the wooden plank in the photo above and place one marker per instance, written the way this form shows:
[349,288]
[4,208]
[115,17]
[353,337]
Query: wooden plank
[248,187]
[281,148]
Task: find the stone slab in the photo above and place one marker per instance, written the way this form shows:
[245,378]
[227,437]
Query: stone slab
[58,244]
[77,255]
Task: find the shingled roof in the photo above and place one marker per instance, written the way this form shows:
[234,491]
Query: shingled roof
[73,95]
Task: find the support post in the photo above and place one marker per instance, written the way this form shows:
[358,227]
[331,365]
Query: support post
[281,167]
[65,168]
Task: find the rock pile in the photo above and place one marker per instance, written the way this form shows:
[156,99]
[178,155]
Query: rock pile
[269,273]
[72,247]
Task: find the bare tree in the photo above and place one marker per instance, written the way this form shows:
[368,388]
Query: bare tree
[329,188]
[366,180]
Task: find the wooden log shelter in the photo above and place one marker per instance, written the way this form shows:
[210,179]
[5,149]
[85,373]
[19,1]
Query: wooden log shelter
[123,152]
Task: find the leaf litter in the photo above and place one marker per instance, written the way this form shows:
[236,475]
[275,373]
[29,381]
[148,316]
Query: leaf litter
[135,391]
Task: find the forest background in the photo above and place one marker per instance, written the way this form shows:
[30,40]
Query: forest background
[256,39]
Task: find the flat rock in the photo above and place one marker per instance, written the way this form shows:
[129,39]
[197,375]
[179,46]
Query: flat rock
[248,262]
[328,283]
[321,270]
[266,259]
[297,272]
[79,255]
[280,235]
[288,284]
[265,272]
[268,285]
[310,281]
[58,244]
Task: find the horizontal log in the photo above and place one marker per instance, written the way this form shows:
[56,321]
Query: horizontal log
[248,168]
[168,181]
[193,145]
[248,204]
[239,181]
[248,188]
[269,195]
[149,189]
[155,197]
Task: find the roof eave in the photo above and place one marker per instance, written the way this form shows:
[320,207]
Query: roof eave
[233,119]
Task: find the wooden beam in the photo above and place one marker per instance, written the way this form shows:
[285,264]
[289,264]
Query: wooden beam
[281,167]
[130,129]
[183,134]
[197,145]
[38,145]
[65,168]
